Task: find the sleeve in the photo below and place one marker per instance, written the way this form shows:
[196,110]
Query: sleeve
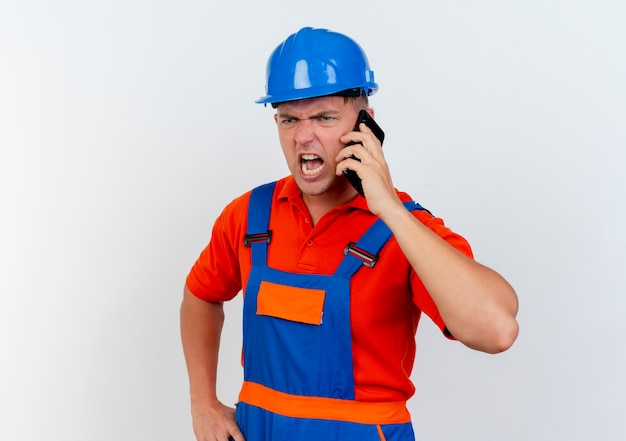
[421,297]
[216,274]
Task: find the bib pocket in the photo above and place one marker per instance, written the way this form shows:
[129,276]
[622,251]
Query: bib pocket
[302,305]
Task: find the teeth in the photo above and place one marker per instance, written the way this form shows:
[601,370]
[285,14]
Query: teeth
[305,170]
[308,172]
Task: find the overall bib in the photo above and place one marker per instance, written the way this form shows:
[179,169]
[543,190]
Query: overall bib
[297,347]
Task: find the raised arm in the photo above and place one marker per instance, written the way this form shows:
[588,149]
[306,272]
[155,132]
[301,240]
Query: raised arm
[478,306]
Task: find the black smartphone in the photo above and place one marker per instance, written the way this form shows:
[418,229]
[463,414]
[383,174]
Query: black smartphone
[363,117]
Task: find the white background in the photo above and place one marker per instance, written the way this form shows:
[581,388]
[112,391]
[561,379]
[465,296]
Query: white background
[126,126]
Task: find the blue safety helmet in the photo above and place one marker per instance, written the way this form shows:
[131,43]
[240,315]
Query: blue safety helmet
[317,62]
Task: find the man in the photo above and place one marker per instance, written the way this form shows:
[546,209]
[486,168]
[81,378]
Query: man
[334,283]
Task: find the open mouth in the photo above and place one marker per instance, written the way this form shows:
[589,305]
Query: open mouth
[311,164]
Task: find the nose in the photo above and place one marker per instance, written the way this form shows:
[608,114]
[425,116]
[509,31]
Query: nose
[305,132]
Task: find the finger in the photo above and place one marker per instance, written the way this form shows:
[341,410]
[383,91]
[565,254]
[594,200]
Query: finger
[236,434]
[364,128]
[350,163]
[357,152]
[351,138]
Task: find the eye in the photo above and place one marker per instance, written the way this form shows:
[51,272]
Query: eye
[325,119]
[288,121]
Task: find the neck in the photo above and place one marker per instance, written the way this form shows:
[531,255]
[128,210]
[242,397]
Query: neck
[319,205]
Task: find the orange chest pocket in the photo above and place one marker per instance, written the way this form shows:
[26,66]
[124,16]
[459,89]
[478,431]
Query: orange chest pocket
[291,303]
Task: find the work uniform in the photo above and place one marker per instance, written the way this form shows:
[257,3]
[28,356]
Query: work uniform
[328,339]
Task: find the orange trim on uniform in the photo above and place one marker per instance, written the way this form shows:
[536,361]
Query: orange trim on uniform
[291,303]
[298,406]
[380,433]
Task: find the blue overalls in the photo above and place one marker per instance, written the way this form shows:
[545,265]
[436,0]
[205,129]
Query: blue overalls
[297,347]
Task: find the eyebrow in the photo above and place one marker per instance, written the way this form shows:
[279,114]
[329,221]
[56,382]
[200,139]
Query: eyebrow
[313,116]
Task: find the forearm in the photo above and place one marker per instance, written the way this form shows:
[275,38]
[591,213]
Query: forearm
[476,303]
[201,328]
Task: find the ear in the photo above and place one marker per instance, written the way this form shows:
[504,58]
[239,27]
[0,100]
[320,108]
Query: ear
[370,111]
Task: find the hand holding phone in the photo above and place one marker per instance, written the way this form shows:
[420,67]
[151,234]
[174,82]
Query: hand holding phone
[363,117]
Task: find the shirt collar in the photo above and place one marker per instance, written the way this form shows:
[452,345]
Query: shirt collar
[290,191]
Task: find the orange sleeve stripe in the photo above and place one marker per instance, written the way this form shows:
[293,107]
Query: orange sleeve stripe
[298,406]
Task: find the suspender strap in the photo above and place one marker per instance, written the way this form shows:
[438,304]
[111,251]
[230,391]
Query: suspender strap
[259,235]
[365,251]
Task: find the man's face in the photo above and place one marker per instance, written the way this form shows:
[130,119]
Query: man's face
[309,132]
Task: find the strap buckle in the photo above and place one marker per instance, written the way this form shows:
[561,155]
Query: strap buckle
[369,259]
[249,239]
